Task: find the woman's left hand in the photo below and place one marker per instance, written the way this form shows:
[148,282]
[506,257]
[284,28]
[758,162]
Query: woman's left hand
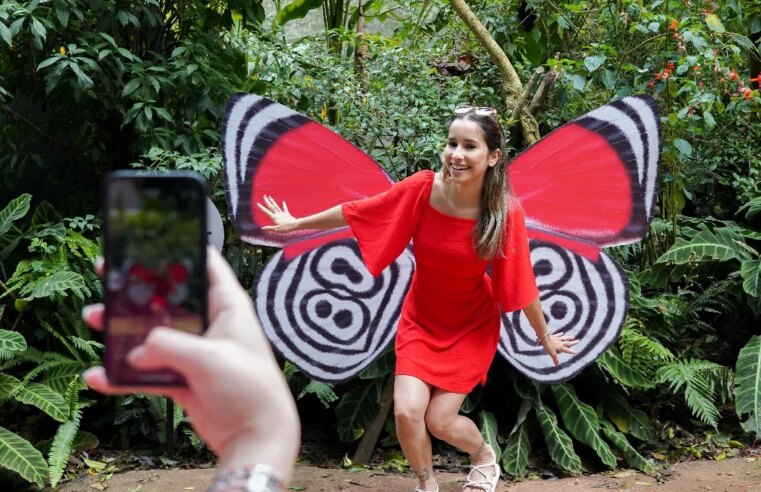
[557,343]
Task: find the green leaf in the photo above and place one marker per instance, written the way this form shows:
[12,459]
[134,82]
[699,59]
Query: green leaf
[61,449]
[356,409]
[382,366]
[131,87]
[38,30]
[627,418]
[751,274]
[11,341]
[683,146]
[581,420]
[18,454]
[709,120]
[748,385]
[58,282]
[490,430]
[722,244]
[296,10]
[558,442]
[579,82]
[714,23]
[59,378]
[693,378]
[45,399]
[84,441]
[16,209]
[594,62]
[623,372]
[5,33]
[632,457]
[753,206]
[323,391]
[8,386]
[515,456]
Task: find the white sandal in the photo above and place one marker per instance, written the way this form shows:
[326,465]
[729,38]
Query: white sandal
[418,489]
[488,484]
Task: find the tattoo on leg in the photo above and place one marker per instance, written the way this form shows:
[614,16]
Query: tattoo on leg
[480,449]
[424,475]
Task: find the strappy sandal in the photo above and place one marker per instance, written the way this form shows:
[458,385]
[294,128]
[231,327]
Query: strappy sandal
[486,484]
[418,489]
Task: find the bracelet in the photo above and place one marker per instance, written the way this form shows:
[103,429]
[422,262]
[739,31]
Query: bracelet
[541,338]
[259,478]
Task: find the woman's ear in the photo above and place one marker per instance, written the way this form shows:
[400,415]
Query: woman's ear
[494,157]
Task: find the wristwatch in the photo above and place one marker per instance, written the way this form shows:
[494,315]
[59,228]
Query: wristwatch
[259,478]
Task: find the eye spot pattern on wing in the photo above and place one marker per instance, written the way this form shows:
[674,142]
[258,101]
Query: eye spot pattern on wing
[324,312]
[584,299]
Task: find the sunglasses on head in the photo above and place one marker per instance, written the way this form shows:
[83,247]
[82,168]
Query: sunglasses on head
[480,111]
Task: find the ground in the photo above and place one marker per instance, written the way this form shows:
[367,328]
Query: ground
[735,474]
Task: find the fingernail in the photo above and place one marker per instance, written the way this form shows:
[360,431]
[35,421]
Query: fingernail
[86,311]
[136,354]
[87,373]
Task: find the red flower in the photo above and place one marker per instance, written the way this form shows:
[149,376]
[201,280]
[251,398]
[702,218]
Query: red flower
[651,84]
[757,80]
[732,74]
[673,26]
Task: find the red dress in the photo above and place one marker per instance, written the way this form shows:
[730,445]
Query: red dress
[449,327]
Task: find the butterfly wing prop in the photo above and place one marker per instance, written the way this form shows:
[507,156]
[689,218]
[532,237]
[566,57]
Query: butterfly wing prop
[318,304]
[591,183]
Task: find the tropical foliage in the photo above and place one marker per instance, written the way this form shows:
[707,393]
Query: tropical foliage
[89,86]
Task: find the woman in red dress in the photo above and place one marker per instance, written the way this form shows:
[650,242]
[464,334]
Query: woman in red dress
[459,220]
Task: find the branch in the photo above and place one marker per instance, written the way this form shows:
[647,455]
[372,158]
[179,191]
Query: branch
[511,83]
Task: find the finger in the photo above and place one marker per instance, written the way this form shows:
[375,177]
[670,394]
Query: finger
[285,208]
[225,291]
[265,210]
[93,316]
[99,266]
[172,349]
[273,203]
[96,379]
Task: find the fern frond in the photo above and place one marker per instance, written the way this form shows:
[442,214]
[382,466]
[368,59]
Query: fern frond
[61,448]
[87,346]
[47,327]
[702,382]
[641,352]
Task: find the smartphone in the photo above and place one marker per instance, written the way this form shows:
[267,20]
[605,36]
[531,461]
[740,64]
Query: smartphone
[154,247]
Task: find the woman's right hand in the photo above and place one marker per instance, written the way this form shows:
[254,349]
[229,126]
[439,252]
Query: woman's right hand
[284,221]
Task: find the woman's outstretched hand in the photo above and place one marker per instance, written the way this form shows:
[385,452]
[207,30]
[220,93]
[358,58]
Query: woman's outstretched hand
[284,221]
[557,343]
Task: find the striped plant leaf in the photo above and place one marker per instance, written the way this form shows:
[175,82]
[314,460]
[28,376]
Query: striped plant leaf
[60,451]
[748,385]
[623,372]
[581,420]
[515,456]
[8,386]
[751,273]
[59,377]
[18,454]
[11,341]
[45,399]
[357,408]
[382,366]
[558,442]
[632,457]
[627,418]
[721,245]
[489,430]
[16,209]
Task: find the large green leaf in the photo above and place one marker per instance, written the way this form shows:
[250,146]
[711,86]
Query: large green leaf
[59,377]
[753,207]
[515,456]
[490,430]
[748,385]
[296,10]
[16,209]
[323,391]
[632,457]
[558,442]
[751,273]
[18,454]
[357,408]
[8,386]
[722,244]
[627,418]
[623,372]
[581,420]
[11,341]
[62,447]
[45,399]
[57,282]
[381,366]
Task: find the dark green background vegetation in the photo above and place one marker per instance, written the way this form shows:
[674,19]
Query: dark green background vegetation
[88,86]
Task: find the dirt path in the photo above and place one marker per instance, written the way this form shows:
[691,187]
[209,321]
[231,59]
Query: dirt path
[736,474]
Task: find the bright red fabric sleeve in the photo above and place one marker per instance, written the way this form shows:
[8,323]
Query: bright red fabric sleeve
[384,224]
[513,281]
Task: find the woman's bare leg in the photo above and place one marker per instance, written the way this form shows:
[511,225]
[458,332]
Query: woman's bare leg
[411,398]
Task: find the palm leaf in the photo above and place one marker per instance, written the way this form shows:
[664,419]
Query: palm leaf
[632,457]
[489,431]
[356,409]
[45,399]
[623,372]
[515,456]
[61,449]
[627,418]
[11,341]
[748,385]
[582,421]
[558,442]
[16,209]
[722,244]
[18,454]
[693,377]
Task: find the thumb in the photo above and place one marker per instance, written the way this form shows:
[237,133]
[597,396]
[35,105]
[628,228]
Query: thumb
[172,349]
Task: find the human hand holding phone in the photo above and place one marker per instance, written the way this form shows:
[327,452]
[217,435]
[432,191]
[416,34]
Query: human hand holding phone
[236,396]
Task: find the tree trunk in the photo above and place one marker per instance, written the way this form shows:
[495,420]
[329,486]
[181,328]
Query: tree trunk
[511,86]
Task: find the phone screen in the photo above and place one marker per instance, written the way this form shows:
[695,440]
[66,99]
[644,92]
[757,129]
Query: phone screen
[155,266]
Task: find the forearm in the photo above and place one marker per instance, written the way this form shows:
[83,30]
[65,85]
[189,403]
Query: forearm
[327,219]
[535,316]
